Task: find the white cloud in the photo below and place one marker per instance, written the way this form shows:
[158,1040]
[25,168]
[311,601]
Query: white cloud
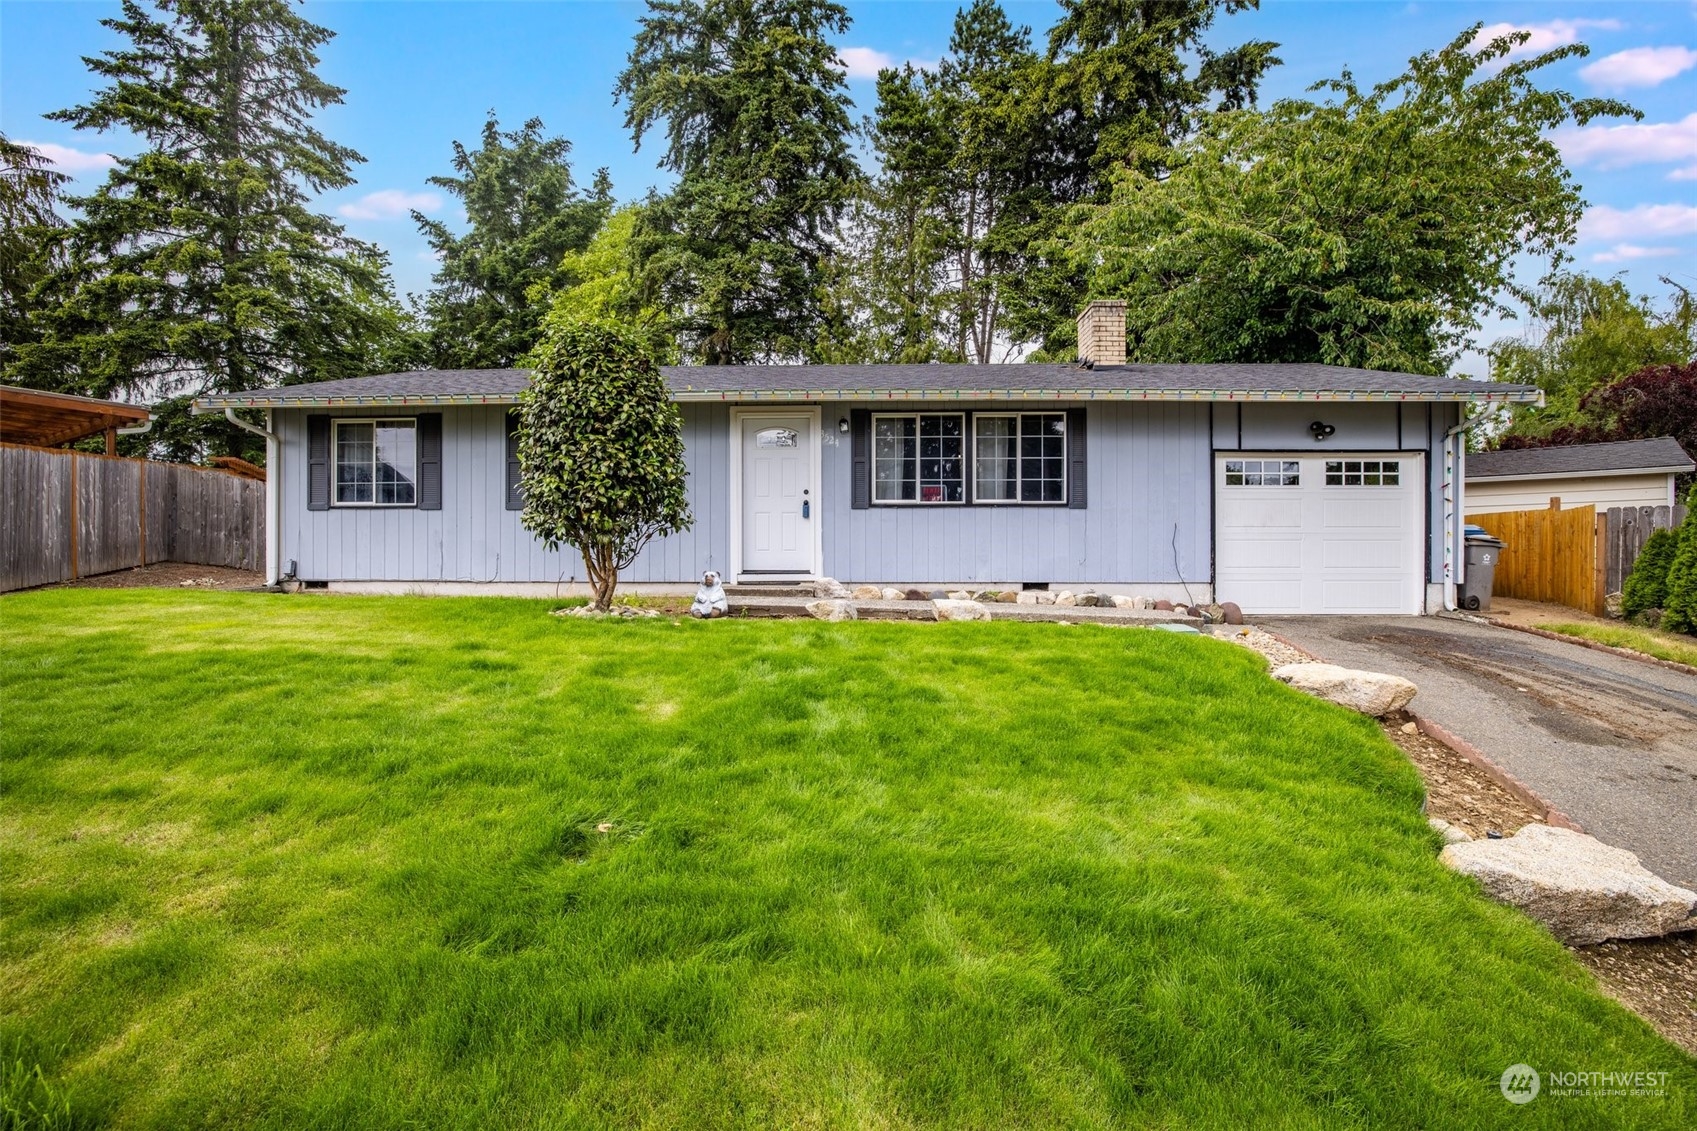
[1641,66]
[1627,252]
[1543,37]
[72,161]
[864,62]
[1611,225]
[389,204]
[1634,143]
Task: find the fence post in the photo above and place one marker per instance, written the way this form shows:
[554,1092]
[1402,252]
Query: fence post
[141,509]
[73,458]
[1600,566]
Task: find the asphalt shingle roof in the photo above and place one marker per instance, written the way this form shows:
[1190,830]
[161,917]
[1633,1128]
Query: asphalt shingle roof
[1660,454]
[881,382]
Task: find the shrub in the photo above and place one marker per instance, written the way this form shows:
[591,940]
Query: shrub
[1681,603]
[600,448]
[1647,585]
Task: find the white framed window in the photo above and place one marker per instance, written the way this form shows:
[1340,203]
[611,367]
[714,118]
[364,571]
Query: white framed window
[1363,472]
[1019,457]
[919,457]
[1263,473]
[376,463]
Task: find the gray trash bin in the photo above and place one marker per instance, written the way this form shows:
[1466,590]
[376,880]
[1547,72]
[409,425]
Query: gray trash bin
[1482,554]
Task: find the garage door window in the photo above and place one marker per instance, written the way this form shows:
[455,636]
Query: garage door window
[1263,473]
[1363,473]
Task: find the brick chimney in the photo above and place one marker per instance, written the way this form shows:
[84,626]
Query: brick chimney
[1101,332]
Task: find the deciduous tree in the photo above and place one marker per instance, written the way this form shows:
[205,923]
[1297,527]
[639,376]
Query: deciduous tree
[1374,229]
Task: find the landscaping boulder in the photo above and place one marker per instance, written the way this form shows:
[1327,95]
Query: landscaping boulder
[916,595]
[1583,890]
[1449,832]
[1371,693]
[1007,597]
[867,593]
[956,609]
[1614,605]
[832,588]
[832,610]
[1233,614]
[957,595]
[1065,597]
[894,595]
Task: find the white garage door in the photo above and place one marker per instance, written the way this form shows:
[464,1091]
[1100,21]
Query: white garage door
[1300,533]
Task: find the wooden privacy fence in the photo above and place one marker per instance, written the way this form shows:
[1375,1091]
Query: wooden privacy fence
[1551,556]
[1628,529]
[1571,557]
[71,514]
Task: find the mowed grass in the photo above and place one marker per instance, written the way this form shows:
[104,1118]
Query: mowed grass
[338,862]
[1662,645]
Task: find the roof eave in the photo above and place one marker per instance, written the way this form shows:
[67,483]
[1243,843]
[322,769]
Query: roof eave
[1524,476]
[1488,395]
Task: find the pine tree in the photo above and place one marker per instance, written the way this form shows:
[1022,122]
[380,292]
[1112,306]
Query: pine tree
[526,216]
[751,98]
[198,266]
[29,222]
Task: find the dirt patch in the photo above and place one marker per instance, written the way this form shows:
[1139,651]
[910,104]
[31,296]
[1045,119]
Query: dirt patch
[169,575]
[1655,978]
[1457,791]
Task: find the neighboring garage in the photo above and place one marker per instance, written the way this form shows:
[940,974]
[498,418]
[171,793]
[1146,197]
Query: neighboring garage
[1342,532]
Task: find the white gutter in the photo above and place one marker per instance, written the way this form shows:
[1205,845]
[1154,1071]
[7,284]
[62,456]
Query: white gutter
[1455,486]
[137,429]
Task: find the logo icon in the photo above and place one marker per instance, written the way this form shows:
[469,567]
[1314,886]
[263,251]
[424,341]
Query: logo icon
[1520,1083]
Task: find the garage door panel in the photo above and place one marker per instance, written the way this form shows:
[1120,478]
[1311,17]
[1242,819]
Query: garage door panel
[1381,510]
[1348,554]
[1277,513]
[1361,596]
[1306,545]
[1271,553]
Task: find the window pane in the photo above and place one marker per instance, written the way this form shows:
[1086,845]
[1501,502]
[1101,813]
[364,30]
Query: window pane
[942,459]
[355,454]
[995,469]
[397,462]
[894,453]
[1042,465]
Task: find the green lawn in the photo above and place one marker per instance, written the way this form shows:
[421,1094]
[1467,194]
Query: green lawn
[335,862]
[1662,645]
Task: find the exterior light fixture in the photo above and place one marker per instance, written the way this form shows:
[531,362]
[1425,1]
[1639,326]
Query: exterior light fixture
[843,426]
[1321,430]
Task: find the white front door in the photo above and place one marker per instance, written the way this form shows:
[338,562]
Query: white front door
[1301,533]
[780,505]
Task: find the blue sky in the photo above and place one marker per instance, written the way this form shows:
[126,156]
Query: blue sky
[421,73]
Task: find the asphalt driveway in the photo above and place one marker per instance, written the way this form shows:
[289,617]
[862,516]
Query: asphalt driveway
[1610,741]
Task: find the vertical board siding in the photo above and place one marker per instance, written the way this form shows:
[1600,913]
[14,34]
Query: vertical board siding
[474,537]
[1148,482]
[1148,471]
[110,513]
[1550,556]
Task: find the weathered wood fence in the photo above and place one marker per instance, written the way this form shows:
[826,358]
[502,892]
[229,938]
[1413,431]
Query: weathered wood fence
[1572,557]
[1628,529]
[65,515]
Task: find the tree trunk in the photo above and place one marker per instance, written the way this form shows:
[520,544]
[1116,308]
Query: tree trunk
[603,575]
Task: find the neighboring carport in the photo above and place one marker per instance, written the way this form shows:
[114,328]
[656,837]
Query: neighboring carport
[40,419]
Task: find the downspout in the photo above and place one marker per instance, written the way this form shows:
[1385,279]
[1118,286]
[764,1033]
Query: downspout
[1455,471]
[273,483]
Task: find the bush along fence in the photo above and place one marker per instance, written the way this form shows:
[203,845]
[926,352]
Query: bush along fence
[1573,557]
[73,514]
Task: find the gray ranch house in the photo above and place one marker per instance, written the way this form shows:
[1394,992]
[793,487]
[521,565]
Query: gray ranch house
[1286,488]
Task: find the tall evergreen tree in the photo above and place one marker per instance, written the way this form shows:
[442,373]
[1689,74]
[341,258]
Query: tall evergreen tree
[1127,80]
[526,217]
[751,98]
[199,266]
[29,219]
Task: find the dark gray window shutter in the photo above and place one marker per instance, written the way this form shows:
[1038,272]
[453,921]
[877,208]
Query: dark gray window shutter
[429,461]
[860,448]
[1077,496]
[317,463]
[515,486]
